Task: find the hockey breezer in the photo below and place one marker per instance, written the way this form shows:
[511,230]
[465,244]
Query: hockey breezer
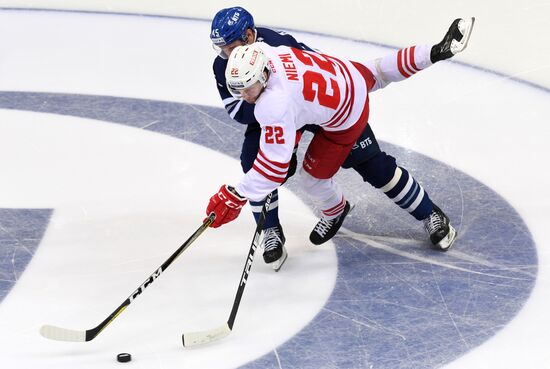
[202,337]
[63,334]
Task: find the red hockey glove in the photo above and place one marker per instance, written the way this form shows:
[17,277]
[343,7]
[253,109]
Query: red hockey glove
[226,204]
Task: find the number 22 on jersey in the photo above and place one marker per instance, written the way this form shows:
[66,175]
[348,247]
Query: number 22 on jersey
[312,78]
[274,134]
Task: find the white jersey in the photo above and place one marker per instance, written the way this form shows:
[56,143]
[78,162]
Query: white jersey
[303,88]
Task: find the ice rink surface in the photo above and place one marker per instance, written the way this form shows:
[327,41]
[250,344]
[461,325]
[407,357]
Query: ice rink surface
[112,139]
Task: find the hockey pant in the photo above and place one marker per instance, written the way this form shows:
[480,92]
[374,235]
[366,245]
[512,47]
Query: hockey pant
[324,156]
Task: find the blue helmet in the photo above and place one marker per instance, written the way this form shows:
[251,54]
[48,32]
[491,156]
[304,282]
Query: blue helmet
[230,24]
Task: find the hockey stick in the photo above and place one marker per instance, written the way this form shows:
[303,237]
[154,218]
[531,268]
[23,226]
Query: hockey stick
[199,338]
[63,334]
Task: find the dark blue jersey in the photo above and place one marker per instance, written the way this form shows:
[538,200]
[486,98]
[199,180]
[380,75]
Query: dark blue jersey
[238,109]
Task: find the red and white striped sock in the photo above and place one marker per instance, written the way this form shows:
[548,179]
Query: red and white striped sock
[399,65]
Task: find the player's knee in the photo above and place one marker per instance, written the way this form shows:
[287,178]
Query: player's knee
[378,170]
[309,182]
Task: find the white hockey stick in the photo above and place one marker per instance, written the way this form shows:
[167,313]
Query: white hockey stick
[202,337]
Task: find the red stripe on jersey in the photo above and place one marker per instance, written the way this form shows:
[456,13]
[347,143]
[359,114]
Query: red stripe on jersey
[259,160]
[339,118]
[345,105]
[411,60]
[400,64]
[342,113]
[366,73]
[271,178]
[273,163]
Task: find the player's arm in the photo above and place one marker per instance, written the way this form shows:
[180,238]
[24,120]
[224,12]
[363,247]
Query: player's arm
[272,164]
[268,172]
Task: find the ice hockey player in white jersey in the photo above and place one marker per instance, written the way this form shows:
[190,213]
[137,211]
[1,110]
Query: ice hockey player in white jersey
[290,87]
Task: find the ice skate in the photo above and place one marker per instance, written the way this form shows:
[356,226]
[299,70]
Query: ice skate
[274,247]
[454,41]
[326,229]
[441,232]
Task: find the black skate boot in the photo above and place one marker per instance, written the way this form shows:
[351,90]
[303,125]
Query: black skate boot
[326,229]
[441,232]
[454,41]
[274,247]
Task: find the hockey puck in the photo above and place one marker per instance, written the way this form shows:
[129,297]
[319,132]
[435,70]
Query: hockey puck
[123,357]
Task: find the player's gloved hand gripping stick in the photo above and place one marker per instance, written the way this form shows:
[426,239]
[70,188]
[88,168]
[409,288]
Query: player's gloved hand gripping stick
[198,338]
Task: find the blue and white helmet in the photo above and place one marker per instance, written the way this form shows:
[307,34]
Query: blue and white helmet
[230,24]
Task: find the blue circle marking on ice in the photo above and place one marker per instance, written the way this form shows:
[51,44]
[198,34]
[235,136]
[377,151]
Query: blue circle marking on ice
[396,302]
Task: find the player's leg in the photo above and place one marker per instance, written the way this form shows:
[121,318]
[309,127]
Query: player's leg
[328,197]
[381,171]
[274,238]
[402,64]
[324,156]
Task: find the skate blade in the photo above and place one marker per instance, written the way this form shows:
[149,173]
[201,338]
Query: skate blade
[277,264]
[446,243]
[465,27]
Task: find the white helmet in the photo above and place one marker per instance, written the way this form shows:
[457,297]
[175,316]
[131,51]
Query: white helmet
[246,66]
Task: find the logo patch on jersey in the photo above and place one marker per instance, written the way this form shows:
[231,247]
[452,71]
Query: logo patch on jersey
[271,66]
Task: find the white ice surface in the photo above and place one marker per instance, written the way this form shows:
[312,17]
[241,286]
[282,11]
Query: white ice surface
[492,128]
[124,200]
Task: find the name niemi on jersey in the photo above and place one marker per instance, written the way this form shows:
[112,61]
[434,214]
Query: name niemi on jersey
[289,67]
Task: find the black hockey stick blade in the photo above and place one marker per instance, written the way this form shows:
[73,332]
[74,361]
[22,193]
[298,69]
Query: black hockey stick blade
[202,337]
[62,334]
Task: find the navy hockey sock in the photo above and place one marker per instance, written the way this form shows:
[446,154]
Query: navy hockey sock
[382,172]
[272,217]
[408,194]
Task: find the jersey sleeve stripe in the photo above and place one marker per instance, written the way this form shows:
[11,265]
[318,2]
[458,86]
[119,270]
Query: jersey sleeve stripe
[269,168]
[269,177]
[272,163]
[229,100]
[235,110]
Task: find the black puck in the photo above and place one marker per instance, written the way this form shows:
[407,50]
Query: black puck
[124,357]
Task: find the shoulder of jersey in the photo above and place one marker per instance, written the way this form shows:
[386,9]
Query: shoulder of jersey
[219,63]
